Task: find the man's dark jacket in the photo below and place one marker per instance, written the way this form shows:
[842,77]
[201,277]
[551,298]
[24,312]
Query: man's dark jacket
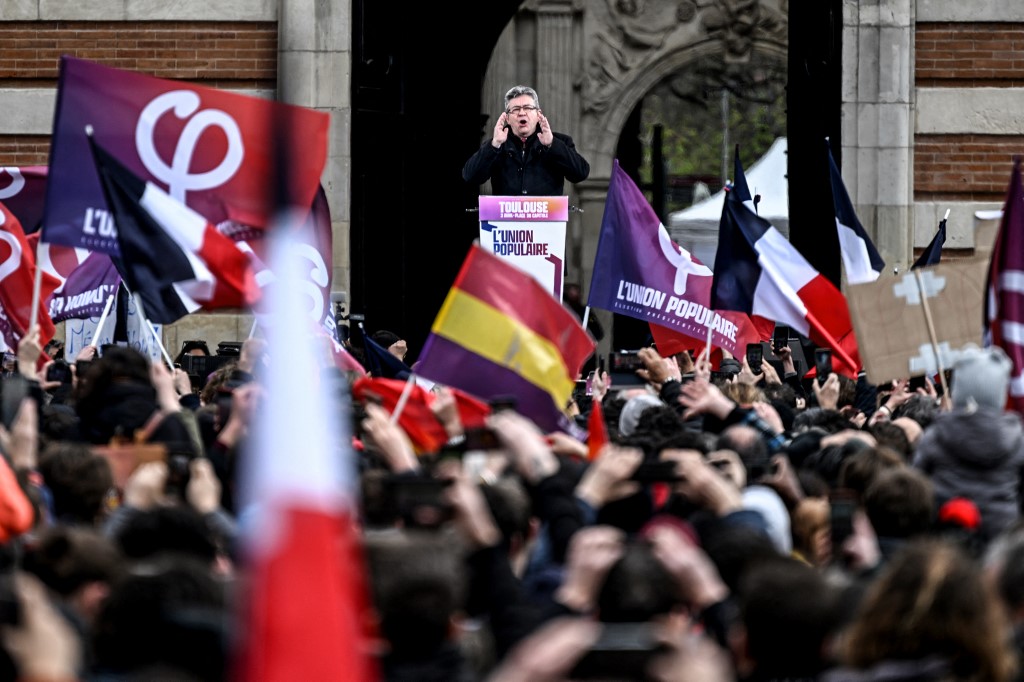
[536,170]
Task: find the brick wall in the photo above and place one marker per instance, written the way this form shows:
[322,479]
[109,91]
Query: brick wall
[969,55]
[966,55]
[24,150]
[215,54]
[964,167]
[219,54]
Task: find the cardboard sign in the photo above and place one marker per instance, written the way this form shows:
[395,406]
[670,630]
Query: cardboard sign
[891,318]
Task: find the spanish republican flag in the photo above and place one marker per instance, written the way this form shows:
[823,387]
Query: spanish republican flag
[500,333]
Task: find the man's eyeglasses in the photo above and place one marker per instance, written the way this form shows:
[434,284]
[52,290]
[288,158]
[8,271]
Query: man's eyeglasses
[526,107]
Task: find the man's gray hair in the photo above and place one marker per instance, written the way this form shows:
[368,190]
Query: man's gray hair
[519,91]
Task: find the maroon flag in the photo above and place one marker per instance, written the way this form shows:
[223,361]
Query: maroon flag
[1004,309]
[23,191]
[210,149]
[85,279]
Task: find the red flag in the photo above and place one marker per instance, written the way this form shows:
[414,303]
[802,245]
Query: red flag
[17,279]
[1004,309]
[671,342]
[417,420]
[598,431]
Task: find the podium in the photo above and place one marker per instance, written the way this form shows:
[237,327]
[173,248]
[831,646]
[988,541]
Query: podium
[528,232]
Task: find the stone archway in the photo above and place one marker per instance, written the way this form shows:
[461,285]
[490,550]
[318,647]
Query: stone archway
[594,61]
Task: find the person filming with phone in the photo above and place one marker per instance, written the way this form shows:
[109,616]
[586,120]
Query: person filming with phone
[524,155]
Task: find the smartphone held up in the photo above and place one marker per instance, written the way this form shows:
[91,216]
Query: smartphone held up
[822,363]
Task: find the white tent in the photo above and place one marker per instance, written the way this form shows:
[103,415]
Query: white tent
[696,228]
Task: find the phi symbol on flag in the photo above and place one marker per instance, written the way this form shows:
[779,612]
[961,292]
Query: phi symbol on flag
[680,258]
[176,176]
[12,262]
[17,183]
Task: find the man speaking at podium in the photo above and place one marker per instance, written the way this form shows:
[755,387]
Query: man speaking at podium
[524,156]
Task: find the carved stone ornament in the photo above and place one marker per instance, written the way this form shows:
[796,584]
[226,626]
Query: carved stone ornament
[627,36]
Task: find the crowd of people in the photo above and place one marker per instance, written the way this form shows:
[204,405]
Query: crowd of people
[737,526]
[712,523]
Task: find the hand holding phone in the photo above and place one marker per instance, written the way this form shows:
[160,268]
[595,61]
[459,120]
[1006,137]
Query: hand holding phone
[822,363]
[59,371]
[780,337]
[622,651]
[755,356]
[841,510]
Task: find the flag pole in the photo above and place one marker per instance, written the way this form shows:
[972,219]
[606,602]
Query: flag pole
[103,319]
[152,330]
[932,336]
[707,346]
[403,399]
[37,285]
[586,316]
[813,322]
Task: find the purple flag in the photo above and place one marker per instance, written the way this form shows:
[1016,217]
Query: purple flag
[87,279]
[640,272]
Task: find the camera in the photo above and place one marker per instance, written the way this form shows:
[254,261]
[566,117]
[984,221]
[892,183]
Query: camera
[178,475]
[621,652]
[656,472]
[482,439]
[622,366]
[755,356]
[420,501]
[822,363]
[13,390]
[841,510]
[59,371]
[82,367]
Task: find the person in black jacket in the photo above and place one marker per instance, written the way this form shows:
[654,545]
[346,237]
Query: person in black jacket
[524,156]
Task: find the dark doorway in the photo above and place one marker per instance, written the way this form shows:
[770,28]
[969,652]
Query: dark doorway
[416,81]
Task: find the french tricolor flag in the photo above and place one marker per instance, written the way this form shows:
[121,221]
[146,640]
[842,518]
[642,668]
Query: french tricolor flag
[932,254]
[305,604]
[759,272]
[860,257]
[172,257]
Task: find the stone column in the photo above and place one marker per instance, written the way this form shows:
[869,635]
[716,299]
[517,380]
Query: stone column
[501,75]
[877,143]
[555,59]
[314,70]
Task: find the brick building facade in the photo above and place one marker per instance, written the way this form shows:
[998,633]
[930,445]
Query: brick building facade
[932,97]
